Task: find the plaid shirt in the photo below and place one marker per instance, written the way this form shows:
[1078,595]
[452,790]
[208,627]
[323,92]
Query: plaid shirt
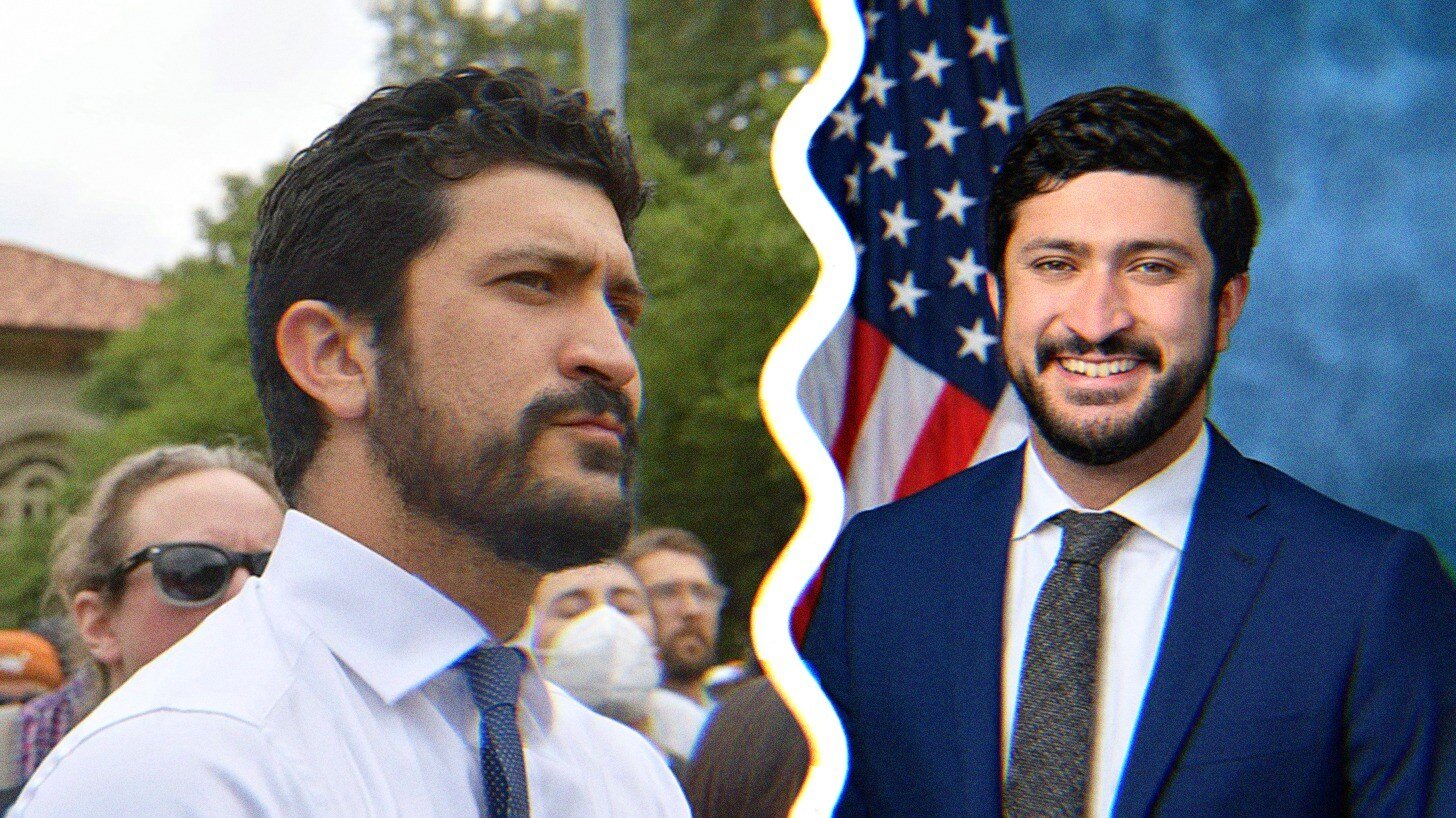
[45,719]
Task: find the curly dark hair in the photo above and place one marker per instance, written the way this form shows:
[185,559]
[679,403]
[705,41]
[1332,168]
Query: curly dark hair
[1128,129]
[354,208]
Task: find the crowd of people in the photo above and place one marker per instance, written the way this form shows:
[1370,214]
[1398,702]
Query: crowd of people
[171,533]
[632,637]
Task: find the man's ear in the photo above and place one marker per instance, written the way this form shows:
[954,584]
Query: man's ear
[1230,305]
[93,623]
[993,292]
[329,356]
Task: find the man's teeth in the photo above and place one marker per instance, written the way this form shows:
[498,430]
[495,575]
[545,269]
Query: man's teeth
[1097,370]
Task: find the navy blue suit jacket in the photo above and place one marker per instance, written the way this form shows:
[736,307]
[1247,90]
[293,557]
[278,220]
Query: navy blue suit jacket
[1307,667]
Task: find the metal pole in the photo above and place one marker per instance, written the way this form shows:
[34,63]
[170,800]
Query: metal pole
[604,31]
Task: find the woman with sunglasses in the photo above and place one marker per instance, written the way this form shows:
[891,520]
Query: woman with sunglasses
[167,536]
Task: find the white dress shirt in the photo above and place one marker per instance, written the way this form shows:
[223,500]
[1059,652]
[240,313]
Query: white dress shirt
[674,721]
[1137,585]
[327,688]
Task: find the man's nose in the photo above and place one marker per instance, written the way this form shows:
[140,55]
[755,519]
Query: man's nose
[1098,308]
[598,350]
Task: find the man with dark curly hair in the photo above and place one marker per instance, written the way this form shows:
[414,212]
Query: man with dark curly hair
[441,298]
[1126,616]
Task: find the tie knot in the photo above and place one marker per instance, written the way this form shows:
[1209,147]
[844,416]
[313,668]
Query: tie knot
[1087,537]
[494,675]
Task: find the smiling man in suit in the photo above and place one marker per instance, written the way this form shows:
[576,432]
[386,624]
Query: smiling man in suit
[1126,616]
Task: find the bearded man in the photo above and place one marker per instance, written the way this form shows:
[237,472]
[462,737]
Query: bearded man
[681,580]
[439,308]
[1126,616]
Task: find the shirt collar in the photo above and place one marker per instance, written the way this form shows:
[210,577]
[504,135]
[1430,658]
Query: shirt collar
[387,625]
[1162,505]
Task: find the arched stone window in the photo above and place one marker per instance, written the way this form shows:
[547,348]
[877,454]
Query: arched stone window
[28,491]
[32,471]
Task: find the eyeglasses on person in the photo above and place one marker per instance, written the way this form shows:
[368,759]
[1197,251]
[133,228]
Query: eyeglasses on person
[706,594]
[190,574]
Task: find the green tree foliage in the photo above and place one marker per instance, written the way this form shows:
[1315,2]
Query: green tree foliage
[24,555]
[726,273]
[426,37]
[707,80]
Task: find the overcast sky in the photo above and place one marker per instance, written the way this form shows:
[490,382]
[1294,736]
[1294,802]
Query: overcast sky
[120,118]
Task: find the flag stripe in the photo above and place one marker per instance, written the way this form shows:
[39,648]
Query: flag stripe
[947,441]
[907,395]
[825,379]
[868,351]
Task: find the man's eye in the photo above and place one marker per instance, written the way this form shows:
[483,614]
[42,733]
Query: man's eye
[1052,265]
[1155,269]
[628,313]
[569,607]
[534,281]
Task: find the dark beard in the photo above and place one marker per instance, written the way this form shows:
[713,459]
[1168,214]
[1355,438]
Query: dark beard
[1103,444]
[484,488]
[677,667]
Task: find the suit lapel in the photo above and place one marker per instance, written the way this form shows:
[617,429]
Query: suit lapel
[985,529]
[1222,567]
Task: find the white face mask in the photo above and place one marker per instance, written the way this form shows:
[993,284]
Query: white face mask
[606,661]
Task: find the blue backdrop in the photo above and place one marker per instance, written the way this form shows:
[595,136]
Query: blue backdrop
[1343,114]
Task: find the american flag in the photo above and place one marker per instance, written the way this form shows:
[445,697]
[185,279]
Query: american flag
[910,389]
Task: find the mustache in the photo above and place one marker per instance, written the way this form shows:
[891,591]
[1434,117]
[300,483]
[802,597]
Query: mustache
[589,397]
[1049,349]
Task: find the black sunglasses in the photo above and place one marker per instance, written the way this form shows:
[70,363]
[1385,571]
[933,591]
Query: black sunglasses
[190,574]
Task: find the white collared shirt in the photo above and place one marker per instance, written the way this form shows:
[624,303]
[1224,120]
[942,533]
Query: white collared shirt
[327,688]
[1137,585]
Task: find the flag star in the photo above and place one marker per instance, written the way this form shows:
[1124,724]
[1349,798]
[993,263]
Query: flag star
[975,341]
[953,203]
[929,63]
[906,294]
[876,85]
[898,225]
[851,183]
[859,247]
[942,132]
[887,156]
[988,40]
[871,20]
[923,5]
[967,271]
[998,111]
[846,122]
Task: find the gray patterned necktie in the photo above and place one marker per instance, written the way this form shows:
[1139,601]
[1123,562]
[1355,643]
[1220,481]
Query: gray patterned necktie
[1051,742]
[494,675]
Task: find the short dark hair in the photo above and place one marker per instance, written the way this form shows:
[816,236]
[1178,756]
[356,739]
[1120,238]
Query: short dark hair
[1128,129]
[667,539]
[751,759]
[354,208]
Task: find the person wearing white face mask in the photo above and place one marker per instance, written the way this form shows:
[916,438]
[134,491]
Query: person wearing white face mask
[594,636]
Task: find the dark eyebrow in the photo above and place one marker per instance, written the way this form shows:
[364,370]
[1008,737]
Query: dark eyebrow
[1127,248]
[1066,246]
[628,287]
[573,593]
[1171,248]
[556,258]
[535,253]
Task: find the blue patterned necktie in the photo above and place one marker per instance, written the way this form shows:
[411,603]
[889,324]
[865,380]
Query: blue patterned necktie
[494,675]
[1051,742]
